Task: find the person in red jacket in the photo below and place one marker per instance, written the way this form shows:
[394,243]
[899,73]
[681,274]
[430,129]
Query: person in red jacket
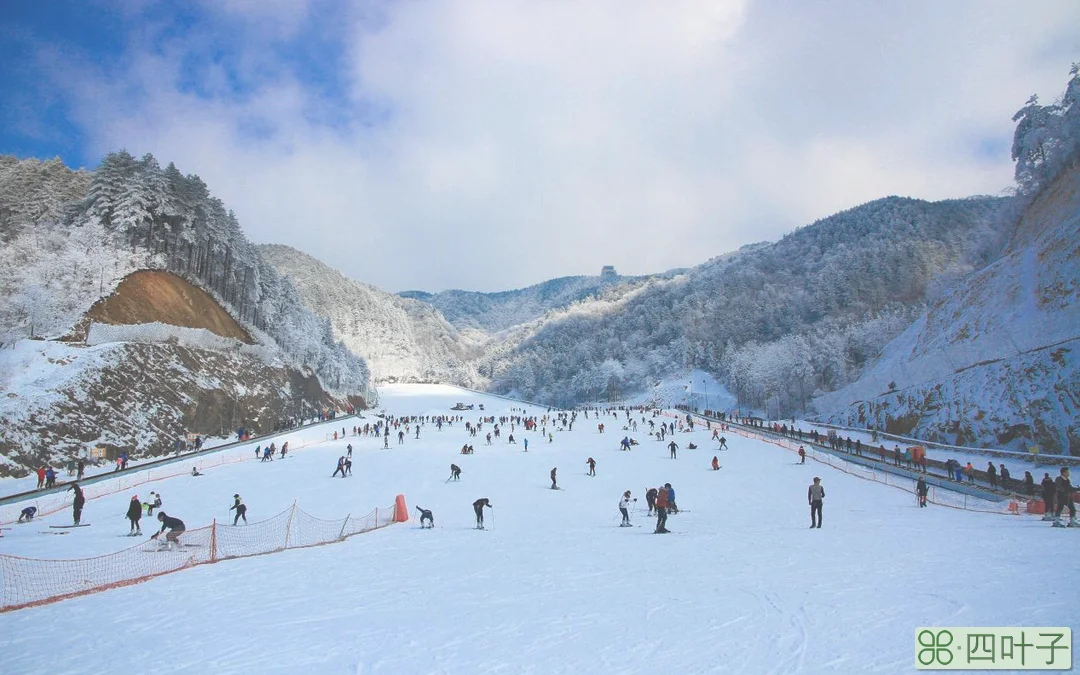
[661,511]
[715,463]
[802,455]
[41,477]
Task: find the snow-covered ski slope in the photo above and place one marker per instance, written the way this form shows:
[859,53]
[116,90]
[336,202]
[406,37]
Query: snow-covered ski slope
[553,585]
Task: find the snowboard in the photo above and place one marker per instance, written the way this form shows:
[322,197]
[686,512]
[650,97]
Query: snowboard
[65,527]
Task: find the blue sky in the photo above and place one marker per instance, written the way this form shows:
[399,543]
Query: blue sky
[490,144]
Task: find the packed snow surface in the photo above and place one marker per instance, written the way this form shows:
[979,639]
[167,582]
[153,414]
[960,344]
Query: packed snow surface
[741,585]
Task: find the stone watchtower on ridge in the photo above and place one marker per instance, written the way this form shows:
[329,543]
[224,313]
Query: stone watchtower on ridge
[608,272]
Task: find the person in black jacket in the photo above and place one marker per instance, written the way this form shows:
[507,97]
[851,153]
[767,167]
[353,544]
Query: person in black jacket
[77,505]
[921,490]
[455,472]
[134,514]
[241,509]
[1064,498]
[1048,493]
[554,485]
[650,499]
[426,515]
[478,507]
[175,528]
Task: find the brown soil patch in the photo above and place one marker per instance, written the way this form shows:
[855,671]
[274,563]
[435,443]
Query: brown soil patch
[147,296]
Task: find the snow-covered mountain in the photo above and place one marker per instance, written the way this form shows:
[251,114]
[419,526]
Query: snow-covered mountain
[403,340]
[493,312]
[997,357]
[134,243]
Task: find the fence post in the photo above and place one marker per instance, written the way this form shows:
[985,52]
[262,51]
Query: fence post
[341,535]
[213,541]
[288,525]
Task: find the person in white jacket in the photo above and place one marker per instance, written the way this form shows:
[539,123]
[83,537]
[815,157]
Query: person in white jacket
[624,508]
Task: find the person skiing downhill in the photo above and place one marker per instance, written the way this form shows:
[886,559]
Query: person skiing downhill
[814,495]
[802,455]
[134,515]
[175,528]
[554,485]
[921,490]
[241,510]
[455,472]
[478,508]
[673,446]
[624,508]
[592,466]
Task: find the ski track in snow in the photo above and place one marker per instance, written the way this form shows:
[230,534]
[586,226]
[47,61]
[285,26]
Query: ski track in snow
[553,586]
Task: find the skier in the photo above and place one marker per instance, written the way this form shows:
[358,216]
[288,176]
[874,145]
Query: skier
[347,447]
[195,471]
[134,515]
[478,507]
[40,477]
[554,485]
[991,474]
[1048,493]
[175,526]
[455,472]
[802,455]
[526,442]
[673,446]
[340,467]
[921,490]
[27,514]
[715,463]
[814,495]
[77,505]
[671,506]
[624,506]
[348,467]
[426,515]
[81,469]
[650,499]
[241,510]
[723,443]
[1063,499]
[661,511]
[592,466]
[154,503]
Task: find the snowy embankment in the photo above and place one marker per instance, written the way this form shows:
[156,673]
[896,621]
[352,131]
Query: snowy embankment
[554,585]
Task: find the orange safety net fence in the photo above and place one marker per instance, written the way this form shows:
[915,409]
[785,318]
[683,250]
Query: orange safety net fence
[26,582]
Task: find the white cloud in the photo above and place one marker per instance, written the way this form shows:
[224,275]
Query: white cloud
[526,140]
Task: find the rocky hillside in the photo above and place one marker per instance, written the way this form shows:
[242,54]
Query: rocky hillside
[996,360]
[60,399]
[402,340]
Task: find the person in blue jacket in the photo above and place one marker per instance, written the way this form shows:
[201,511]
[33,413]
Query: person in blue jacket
[672,508]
